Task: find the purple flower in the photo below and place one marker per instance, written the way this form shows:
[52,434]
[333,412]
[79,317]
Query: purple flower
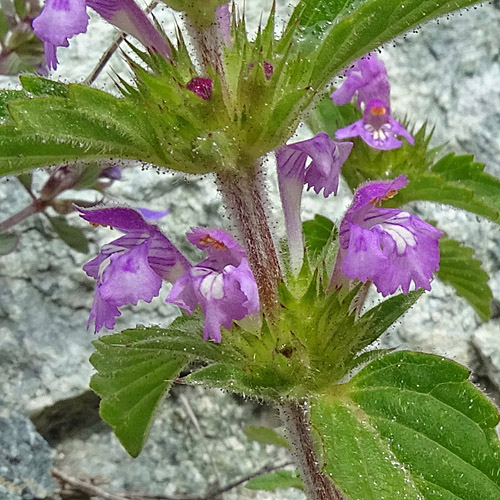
[133,267]
[201,86]
[130,268]
[388,246]
[62,19]
[222,284]
[327,158]
[367,77]
[151,215]
[377,127]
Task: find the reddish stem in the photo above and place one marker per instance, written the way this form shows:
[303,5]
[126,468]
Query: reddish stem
[244,202]
[36,207]
[317,485]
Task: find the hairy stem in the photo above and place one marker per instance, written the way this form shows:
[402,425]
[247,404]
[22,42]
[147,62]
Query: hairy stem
[317,485]
[23,214]
[243,197]
[209,45]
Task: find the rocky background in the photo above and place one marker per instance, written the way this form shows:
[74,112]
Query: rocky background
[448,73]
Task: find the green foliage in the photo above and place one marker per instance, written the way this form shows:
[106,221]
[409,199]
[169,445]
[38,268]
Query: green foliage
[250,112]
[410,425]
[71,235]
[87,124]
[38,86]
[64,124]
[309,13]
[265,435]
[317,233]
[324,331]
[8,243]
[462,271]
[332,33]
[135,370]
[5,97]
[21,51]
[275,480]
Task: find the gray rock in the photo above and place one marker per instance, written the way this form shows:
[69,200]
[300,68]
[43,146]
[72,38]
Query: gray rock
[446,73]
[485,340]
[26,459]
[177,459]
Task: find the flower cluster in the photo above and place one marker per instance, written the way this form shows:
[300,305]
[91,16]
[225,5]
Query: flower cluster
[133,267]
[322,173]
[389,247]
[62,19]
[368,78]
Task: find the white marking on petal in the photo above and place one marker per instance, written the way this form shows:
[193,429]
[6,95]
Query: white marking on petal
[107,261]
[401,235]
[212,286]
[379,134]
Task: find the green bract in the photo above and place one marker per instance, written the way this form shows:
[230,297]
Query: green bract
[159,121]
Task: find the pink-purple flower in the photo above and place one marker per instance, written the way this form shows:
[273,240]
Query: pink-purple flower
[377,128]
[315,162]
[62,19]
[222,284]
[133,267]
[390,247]
[368,78]
[130,268]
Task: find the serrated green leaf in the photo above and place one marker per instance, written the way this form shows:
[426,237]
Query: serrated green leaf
[317,233]
[40,140]
[373,23]
[8,243]
[71,235]
[464,170]
[39,86]
[7,96]
[462,271]
[410,425]
[311,12]
[275,480]
[265,435]
[21,152]
[433,187]
[135,370]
